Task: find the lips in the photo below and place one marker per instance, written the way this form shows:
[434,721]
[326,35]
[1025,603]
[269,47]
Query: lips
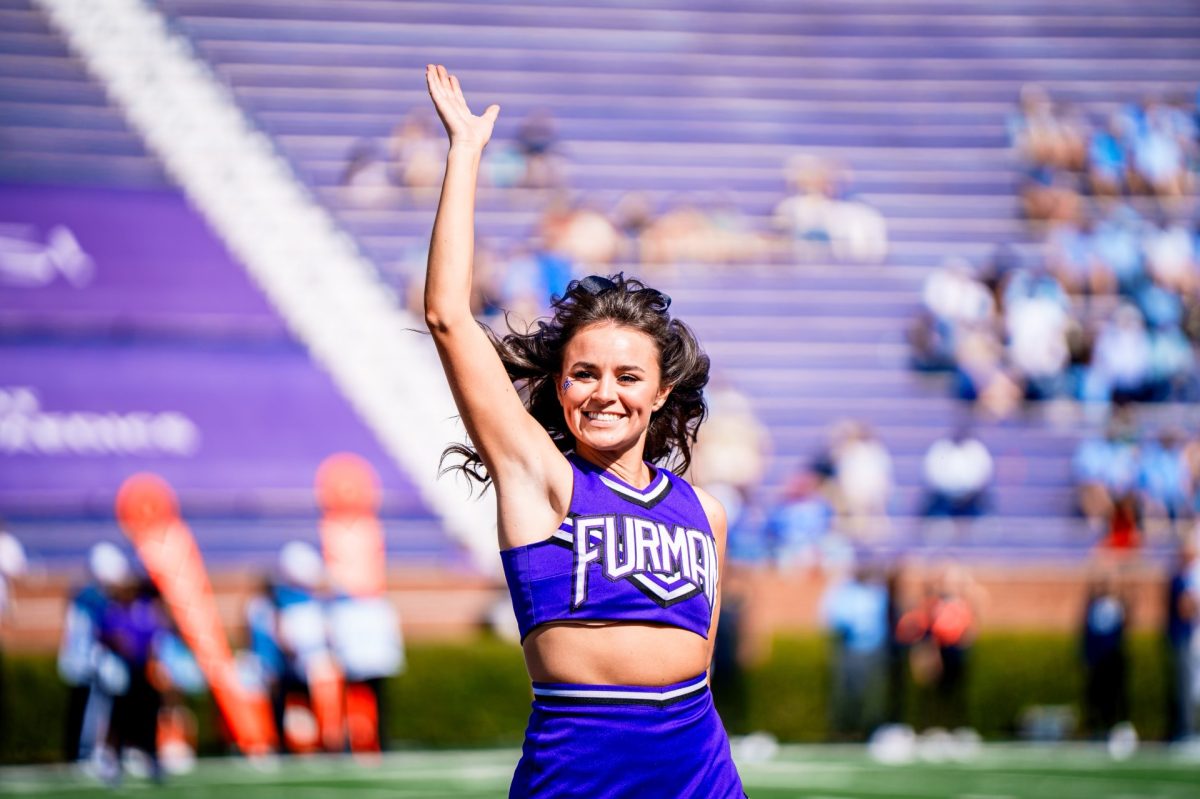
[600,416]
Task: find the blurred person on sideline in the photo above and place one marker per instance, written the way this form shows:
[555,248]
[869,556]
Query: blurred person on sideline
[1105,661]
[80,653]
[939,633]
[303,641]
[132,623]
[265,650]
[958,470]
[855,611]
[728,682]
[897,650]
[1182,623]
[365,636]
[13,565]
[609,368]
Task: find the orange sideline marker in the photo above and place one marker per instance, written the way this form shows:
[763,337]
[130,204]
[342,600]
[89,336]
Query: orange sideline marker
[148,511]
[352,545]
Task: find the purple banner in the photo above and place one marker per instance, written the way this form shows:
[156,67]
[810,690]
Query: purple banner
[225,406]
[103,259]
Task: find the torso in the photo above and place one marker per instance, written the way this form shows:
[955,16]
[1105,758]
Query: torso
[608,653]
[630,651]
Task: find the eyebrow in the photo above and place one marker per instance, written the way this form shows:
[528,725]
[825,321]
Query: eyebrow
[622,368]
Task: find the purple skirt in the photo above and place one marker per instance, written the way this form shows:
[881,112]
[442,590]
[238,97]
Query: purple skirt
[625,742]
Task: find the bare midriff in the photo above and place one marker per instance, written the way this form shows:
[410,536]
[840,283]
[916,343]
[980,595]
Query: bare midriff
[614,653]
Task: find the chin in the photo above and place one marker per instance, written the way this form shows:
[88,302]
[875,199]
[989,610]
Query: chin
[618,444]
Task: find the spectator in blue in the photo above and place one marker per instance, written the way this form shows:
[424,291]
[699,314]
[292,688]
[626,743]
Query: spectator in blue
[80,652]
[262,629]
[1116,241]
[1107,161]
[1158,153]
[1106,468]
[1163,476]
[795,528]
[301,628]
[1106,693]
[1072,258]
[855,611]
[1172,371]
[1120,369]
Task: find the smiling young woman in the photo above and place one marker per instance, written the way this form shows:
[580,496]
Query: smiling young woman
[613,561]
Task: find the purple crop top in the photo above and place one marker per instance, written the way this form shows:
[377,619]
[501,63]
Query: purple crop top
[622,554]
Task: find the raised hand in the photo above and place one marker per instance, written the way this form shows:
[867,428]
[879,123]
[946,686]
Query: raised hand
[464,128]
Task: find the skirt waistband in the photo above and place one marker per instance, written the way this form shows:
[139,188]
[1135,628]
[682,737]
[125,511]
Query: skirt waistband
[659,695]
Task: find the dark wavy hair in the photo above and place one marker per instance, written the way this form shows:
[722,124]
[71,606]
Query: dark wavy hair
[533,359]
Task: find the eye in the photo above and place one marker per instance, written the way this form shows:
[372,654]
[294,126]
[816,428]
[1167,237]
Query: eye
[581,374]
[628,378]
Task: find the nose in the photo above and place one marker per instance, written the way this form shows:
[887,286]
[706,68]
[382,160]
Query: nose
[606,389]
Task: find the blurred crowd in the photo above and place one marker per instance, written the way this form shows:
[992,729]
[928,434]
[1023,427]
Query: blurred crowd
[840,497]
[817,217]
[1110,309]
[1147,148]
[1133,480]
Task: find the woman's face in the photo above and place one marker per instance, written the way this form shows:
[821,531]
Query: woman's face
[615,384]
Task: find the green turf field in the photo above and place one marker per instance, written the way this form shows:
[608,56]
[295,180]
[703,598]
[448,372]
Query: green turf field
[1061,772]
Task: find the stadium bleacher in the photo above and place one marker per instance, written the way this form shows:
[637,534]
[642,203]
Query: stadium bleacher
[677,98]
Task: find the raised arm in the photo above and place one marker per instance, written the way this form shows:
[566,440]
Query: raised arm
[524,464]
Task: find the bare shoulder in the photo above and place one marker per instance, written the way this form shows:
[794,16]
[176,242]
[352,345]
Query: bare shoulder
[714,510]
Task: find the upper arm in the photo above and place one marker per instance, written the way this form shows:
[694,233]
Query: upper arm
[511,443]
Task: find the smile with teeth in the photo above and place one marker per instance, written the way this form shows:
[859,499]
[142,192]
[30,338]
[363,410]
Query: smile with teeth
[602,416]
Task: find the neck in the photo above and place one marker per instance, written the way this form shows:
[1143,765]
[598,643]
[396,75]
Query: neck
[627,466]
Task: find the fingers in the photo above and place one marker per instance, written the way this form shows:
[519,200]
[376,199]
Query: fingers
[448,95]
[435,77]
[457,88]
[443,86]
